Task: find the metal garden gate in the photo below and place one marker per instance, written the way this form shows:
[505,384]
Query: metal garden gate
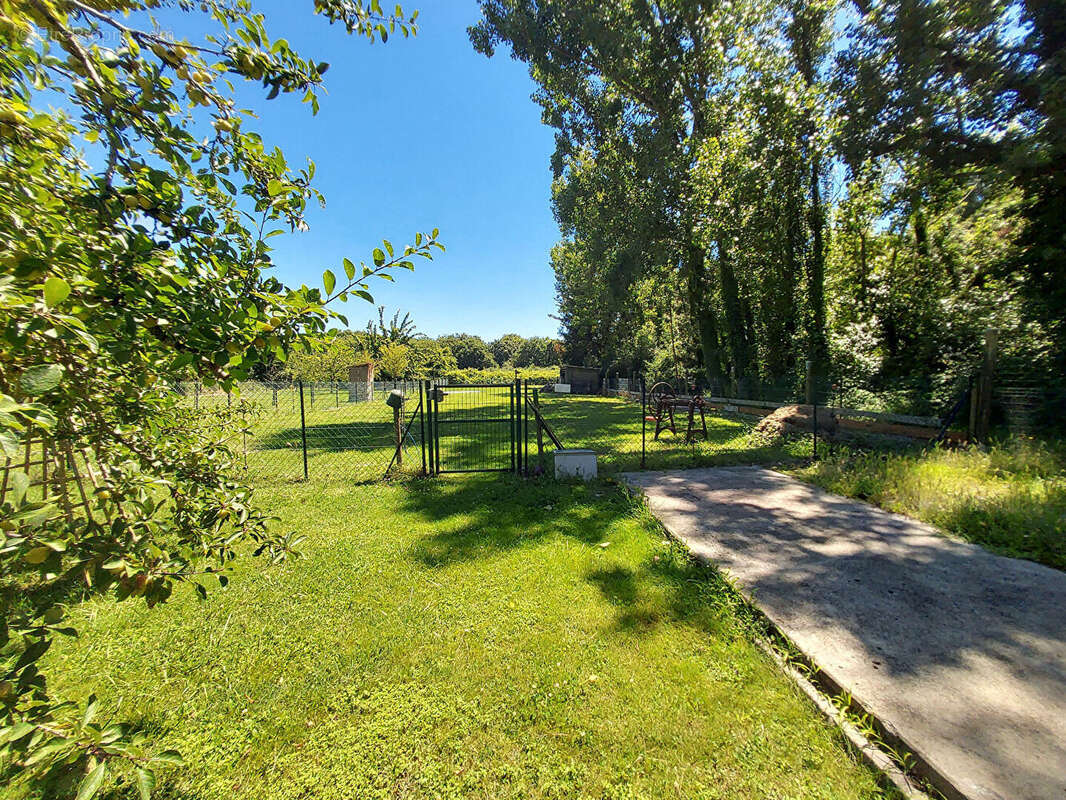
[474,427]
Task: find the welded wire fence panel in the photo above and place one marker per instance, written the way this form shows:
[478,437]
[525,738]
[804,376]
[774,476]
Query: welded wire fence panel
[475,428]
[339,430]
[621,428]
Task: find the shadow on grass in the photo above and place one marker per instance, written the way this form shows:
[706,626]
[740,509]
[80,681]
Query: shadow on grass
[333,437]
[478,516]
[482,517]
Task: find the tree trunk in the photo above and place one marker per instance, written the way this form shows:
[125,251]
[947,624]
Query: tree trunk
[734,315]
[702,310]
[818,345]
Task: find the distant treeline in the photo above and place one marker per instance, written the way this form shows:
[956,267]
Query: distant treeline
[399,352]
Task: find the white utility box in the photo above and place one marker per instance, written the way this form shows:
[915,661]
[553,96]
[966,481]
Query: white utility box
[575,464]
[561,388]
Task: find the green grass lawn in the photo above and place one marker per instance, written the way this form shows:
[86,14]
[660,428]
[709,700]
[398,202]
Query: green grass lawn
[1010,498]
[612,427]
[479,636]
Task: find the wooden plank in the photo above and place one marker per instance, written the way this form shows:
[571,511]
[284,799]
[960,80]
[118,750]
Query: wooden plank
[544,423]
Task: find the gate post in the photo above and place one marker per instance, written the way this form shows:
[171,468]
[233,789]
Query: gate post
[540,430]
[422,421]
[525,426]
[514,427]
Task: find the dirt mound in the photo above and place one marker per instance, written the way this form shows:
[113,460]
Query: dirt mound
[792,420]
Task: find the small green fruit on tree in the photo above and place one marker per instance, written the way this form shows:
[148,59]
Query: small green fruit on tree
[121,277]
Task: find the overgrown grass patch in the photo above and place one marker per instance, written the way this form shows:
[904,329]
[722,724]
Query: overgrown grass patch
[1009,497]
[478,637]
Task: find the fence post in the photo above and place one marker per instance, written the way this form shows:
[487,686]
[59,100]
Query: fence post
[643,422]
[303,427]
[397,414]
[196,395]
[981,405]
[540,430]
[810,382]
[422,421]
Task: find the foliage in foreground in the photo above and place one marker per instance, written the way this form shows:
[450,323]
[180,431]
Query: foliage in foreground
[1010,498]
[137,208]
[482,637]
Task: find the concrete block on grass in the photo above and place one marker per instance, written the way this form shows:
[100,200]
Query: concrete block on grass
[575,464]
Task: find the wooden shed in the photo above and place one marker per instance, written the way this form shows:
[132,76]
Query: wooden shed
[361,382]
[582,380]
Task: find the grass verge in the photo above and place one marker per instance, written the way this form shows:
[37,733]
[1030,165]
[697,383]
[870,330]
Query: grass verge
[481,637]
[1010,498]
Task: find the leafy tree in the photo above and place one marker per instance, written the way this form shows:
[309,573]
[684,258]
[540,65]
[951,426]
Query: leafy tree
[395,331]
[537,351]
[430,358]
[470,351]
[328,358]
[138,208]
[952,89]
[394,360]
[645,97]
[505,349]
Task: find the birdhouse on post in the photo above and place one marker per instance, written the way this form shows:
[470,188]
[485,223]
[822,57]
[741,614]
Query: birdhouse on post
[395,401]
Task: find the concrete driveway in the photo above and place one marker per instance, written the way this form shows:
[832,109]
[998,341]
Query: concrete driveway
[960,653]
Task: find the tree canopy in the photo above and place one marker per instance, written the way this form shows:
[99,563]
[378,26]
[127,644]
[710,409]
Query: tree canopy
[739,194]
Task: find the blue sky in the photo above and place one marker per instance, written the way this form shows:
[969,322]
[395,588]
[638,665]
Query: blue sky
[413,135]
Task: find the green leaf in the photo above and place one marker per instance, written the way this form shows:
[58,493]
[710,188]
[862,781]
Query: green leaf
[40,379]
[172,757]
[20,484]
[349,269]
[329,280]
[38,555]
[90,710]
[275,187]
[90,784]
[379,257]
[56,290]
[145,782]
[9,443]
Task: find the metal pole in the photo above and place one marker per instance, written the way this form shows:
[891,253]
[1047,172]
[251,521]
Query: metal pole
[540,429]
[303,427]
[643,423]
[422,421]
[436,431]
